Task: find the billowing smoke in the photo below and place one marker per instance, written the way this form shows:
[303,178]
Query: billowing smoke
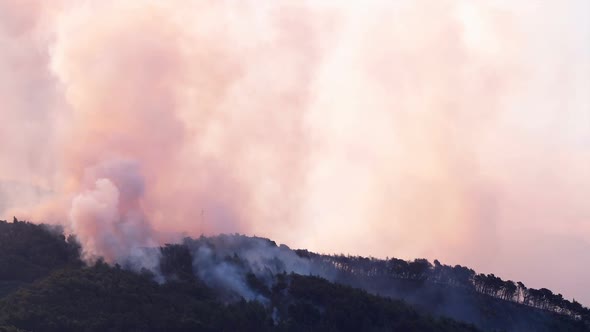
[225,261]
[108,219]
[456,130]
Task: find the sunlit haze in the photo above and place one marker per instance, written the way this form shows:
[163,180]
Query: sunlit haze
[456,130]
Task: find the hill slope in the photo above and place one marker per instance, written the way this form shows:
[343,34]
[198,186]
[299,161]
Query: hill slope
[233,282]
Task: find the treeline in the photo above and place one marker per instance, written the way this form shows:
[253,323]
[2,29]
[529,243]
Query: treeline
[517,292]
[198,286]
[458,276]
[29,252]
[63,294]
[106,298]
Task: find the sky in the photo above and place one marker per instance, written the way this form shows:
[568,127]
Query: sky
[451,129]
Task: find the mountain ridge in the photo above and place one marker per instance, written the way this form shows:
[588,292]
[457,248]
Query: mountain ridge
[239,274]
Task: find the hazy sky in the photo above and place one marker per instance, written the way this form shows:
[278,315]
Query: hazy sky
[457,130]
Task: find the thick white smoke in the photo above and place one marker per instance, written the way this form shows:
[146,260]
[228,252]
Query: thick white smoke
[108,218]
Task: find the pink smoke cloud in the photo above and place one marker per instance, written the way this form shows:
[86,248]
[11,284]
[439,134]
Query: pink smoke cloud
[424,128]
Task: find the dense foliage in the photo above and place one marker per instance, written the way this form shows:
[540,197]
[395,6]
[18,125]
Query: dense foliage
[109,298]
[460,276]
[104,298]
[29,252]
[238,283]
[457,291]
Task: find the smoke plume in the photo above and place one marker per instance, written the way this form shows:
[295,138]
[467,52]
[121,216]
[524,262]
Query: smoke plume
[456,130]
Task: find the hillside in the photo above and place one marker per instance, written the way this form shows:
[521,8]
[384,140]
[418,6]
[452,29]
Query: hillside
[233,282]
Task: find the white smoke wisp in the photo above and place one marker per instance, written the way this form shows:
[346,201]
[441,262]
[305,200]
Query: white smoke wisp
[224,261]
[222,275]
[108,218]
[92,209]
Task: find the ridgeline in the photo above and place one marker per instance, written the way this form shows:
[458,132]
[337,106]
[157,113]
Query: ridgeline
[239,283]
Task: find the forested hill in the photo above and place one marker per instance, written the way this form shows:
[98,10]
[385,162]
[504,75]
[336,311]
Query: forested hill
[455,291]
[239,283]
[48,289]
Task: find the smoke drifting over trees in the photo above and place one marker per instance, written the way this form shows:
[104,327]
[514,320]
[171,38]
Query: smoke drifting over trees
[249,283]
[424,128]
